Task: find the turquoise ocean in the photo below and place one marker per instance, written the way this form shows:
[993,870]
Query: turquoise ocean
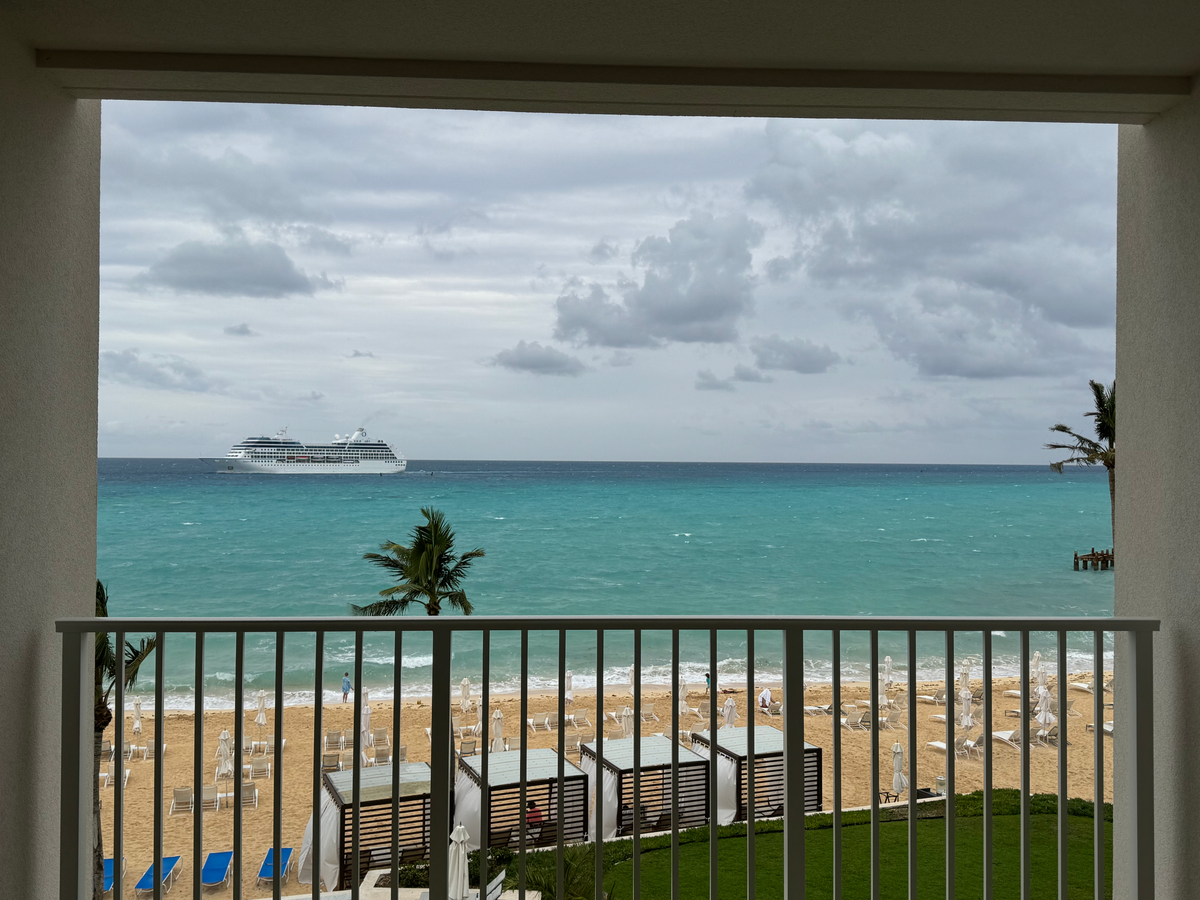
[569,538]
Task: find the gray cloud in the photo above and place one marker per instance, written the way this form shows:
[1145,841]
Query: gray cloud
[361,354]
[242,330]
[602,251]
[707,381]
[233,267]
[799,355]
[158,370]
[538,359]
[696,285]
[746,373]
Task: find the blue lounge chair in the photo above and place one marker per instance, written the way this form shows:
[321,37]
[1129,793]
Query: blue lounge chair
[266,871]
[217,867]
[108,873]
[170,871]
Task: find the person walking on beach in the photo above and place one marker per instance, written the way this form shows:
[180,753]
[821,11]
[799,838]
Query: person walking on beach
[707,683]
[346,687]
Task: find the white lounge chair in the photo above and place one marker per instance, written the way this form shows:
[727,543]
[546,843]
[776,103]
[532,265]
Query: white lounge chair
[937,698]
[960,746]
[379,737]
[892,719]
[182,799]
[110,775]
[1108,728]
[269,745]
[1011,737]
[148,751]
[383,756]
[209,798]
[333,740]
[853,720]
[1088,686]
[260,768]
[249,794]
[648,712]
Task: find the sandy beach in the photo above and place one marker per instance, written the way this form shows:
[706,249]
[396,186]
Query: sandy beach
[296,765]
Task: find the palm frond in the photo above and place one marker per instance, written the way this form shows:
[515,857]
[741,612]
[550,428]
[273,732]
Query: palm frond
[135,656]
[389,607]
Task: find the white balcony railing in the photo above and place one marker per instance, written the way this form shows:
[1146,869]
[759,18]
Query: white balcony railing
[1136,776]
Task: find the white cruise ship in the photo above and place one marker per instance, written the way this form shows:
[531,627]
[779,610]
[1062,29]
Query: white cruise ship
[353,454]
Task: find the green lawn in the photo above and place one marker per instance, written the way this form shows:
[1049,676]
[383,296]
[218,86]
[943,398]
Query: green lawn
[856,871]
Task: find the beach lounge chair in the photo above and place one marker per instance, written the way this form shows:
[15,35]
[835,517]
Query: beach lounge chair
[1012,738]
[379,737]
[974,744]
[494,889]
[108,874]
[853,720]
[1108,728]
[615,734]
[535,720]
[775,708]
[148,751]
[648,712]
[247,745]
[467,747]
[512,743]
[106,751]
[892,719]
[182,799]
[383,757]
[1088,686]
[347,761]
[348,741]
[960,748]
[260,768]
[937,698]
[249,794]
[110,775]
[331,762]
[333,740]
[208,797]
[171,867]
[402,753]
[217,868]
[1048,736]
[551,721]
[586,737]
[457,724]
[1016,694]
[269,745]
[266,872]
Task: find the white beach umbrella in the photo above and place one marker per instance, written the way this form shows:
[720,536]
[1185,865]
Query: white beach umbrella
[631,681]
[226,741]
[1044,717]
[627,723]
[479,730]
[137,715]
[364,738]
[261,718]
[899,782]
[684,709]
[569,687]
[456,865]
[682,686]
[224,759]
[464,690]
[964,677]
[1035,664]
[497,731]
[966,721]
[886,677]
[366,695]
[1041,676]
[729,712]
[366,724]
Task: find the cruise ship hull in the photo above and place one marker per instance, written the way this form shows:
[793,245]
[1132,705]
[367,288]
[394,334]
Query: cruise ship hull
[233,466]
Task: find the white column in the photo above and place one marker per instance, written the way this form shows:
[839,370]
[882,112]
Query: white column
[1158,473]
[49,305]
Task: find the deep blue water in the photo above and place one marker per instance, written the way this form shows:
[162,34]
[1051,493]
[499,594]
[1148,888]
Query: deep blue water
[601,538]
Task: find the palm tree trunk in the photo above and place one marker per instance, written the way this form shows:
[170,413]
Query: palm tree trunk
[1112,498]
[98,836]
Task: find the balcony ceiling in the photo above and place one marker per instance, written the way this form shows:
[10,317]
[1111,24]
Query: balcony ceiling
[1072,60]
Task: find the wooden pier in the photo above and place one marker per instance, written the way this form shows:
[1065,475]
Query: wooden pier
[1099,559]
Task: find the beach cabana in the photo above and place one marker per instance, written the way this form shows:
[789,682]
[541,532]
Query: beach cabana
[616,789]
[732,766]
[504,799]
[375,822]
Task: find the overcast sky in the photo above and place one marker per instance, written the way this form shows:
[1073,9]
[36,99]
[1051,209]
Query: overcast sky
[515,286]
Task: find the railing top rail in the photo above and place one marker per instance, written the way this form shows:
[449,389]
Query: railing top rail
[388,624]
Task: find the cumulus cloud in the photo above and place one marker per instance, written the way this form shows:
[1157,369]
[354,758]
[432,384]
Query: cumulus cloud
[707,381]
[747,373]
[157,370]
[602,251]
[242,330]
[538,359]
[361,354]
[799,355]
[234,267]
[696,284]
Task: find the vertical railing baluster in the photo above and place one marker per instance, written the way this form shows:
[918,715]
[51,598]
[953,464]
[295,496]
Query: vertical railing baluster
[484,795]
[160,674]
[987,765]
[876,710]
[239,737]
[277,802]
[1062,765]
[524,817]
[318,761]
[397,734]
[598,841]
[1139,762]
[441,777]
[713,808]
[1026,875]
[793,773]
[356,771]
[681,698]
[912,764]
[636,687]
[75,863]
[837,765]
[119,758]
[950,860]
[751,712]
[560,873]
[1099,882]
[197,773]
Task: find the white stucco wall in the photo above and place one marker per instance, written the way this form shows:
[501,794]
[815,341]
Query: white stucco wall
[49,320]
[1158,475]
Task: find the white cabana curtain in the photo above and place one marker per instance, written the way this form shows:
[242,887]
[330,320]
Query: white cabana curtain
[609,798]
[726,784]
[468,806]
[331,840]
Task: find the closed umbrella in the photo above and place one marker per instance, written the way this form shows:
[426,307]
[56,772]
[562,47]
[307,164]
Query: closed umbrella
[479,730]
[137,715]
[887,670]
[899,782]
[966,721]
[569,687]
[1044,717]
[225,770]
[682,687]
[366,725]
[226,741]
[1035,664]
[364,737]
[964,677]
[464,689]
[729,712]
[456,865]
[631,681]
[627,723]
[261,718]
[497,731]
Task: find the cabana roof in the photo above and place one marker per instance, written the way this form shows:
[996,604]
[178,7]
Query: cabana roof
[655,753]
[375,783]
[504,769]
[732,741]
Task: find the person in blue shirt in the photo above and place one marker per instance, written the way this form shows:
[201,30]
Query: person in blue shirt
[346,687]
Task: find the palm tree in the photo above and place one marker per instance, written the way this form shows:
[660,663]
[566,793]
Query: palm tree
[106,671]
[1102,450]
[428,570]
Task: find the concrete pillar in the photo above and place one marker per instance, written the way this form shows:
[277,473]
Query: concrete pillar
[1158,474]
[49,331]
